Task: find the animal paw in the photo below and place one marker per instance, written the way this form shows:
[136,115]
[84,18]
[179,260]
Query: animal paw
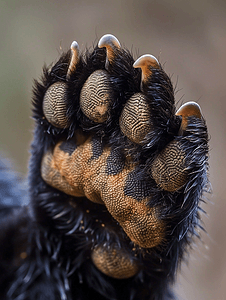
[109,132]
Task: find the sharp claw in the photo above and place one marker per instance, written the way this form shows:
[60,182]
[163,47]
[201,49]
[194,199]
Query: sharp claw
[74,58]
[146,62]
[188,109]
[112,44]
[109,41]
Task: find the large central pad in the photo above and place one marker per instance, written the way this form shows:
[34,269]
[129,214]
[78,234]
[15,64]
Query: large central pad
[85,171]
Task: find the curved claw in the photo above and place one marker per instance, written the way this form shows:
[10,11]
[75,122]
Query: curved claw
[188,109]
[112,44]
[146,62]
[74,58]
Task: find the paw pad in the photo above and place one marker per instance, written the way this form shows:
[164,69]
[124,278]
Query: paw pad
[96,96]
[169,168]
[114,262]
[54,105]
[135,120]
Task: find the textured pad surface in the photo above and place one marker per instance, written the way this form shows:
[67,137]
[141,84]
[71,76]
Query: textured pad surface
[135,118]
[169,169]
[81,174]
[114,262]
[96,96]
[54,105]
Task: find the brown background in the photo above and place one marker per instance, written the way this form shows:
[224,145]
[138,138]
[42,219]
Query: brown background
[188,36]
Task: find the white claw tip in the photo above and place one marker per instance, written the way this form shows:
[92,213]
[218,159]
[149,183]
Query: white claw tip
[190,109]
[74,46]
[109,40]
[74,58]
[146,60]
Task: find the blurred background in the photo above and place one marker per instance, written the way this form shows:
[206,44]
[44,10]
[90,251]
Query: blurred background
[188,37]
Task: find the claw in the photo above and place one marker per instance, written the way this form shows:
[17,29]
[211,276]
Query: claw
[111,43]
[189,109]
[146,63]
[74,58]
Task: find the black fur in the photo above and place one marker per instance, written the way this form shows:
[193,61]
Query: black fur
[57,244]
